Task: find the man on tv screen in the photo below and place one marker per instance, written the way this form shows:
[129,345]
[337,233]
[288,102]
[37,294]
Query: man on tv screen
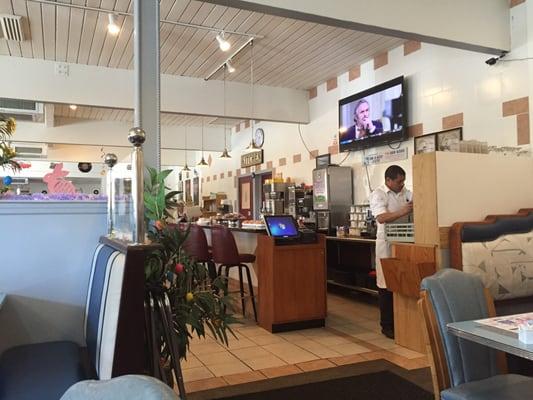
[364,125]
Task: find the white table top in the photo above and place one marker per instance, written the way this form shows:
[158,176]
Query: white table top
[489,337]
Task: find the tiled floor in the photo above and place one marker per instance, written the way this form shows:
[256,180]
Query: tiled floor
[352,335]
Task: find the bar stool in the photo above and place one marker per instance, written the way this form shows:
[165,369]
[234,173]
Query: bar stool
[226,254]
[196,247]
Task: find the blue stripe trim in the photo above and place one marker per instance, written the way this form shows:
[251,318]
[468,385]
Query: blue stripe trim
[95,300]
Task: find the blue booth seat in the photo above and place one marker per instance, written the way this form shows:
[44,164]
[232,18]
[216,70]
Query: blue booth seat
[462,369]
[45,371]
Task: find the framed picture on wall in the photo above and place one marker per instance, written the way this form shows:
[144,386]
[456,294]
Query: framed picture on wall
[426,143]
[448,140]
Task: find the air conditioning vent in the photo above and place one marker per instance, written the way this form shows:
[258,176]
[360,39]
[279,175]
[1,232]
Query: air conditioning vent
[19,181]
[20,107]
[12,27]
[34,150]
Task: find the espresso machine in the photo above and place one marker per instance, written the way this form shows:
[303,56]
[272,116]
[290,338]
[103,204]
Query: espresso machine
[275,198]
[332,197]
[294,193]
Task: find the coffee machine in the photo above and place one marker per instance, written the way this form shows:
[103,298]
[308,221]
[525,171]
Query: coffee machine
[332,197]
[275,198]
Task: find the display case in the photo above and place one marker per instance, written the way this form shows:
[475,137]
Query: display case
[350,263]
[212,203]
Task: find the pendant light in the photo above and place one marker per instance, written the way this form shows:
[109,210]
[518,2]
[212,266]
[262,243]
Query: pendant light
[252,145]
[202,162]
[225,155]
[186,167]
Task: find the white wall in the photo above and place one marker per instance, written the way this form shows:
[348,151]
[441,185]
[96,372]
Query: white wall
[441,82]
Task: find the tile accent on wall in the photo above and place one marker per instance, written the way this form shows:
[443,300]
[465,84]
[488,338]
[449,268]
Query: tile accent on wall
[514,3]
[238,172]
[238,128]
[269,164]
[282,162]
[381,60]
[354,73]
[230,174]
[246,124]
[415,130]
[214,177]
[313,154]
[522,127]
[452,121]
[313,93]
[296,158]
[235,180]
[208,179]
[515,107]
[222,175]
[411,46]
[331,84]
[334,149]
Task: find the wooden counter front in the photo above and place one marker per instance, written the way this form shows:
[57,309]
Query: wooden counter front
[292,284]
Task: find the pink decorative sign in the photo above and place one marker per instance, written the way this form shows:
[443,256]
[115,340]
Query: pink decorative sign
[56,181]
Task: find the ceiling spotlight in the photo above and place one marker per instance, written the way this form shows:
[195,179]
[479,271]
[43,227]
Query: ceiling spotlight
[231,68]
[112,26]
[73,107]
[222,42]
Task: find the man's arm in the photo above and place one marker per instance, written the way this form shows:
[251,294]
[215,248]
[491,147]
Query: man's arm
[393,216]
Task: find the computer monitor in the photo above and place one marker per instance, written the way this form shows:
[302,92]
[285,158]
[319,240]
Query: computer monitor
[281,226]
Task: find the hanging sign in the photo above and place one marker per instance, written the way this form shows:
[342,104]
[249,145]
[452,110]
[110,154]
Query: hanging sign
[386,156]
[251,158]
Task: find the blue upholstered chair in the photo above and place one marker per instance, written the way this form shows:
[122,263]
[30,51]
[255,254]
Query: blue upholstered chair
[45,371]
[127,387]
[462,369]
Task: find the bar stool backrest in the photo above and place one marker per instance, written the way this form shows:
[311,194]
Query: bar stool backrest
[196,245]
[224,246]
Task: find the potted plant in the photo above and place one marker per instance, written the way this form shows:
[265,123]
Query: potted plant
[196,303]
[7,153]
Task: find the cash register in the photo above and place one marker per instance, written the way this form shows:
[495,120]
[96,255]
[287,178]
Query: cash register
[284,230]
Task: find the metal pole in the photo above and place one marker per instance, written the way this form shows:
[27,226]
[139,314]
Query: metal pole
[110,160]
[136,136]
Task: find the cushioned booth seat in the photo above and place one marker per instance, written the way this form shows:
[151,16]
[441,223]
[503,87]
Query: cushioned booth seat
[508,387]
[44,371]
[41,371]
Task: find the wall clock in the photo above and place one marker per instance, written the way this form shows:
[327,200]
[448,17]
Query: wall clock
[259,137]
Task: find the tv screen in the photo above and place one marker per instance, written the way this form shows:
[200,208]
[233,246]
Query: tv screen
[282,226]
[372,117]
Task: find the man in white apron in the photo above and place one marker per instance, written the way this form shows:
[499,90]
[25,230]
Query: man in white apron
[390,202]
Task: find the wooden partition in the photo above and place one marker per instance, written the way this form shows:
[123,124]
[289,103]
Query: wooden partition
[449,187]
[410,263]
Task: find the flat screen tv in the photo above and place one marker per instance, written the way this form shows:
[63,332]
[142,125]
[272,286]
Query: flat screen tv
[373,117]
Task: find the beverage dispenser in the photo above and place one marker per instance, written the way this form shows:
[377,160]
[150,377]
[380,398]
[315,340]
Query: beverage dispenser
[332,196]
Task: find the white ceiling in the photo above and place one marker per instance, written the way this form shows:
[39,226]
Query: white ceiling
[292,53]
